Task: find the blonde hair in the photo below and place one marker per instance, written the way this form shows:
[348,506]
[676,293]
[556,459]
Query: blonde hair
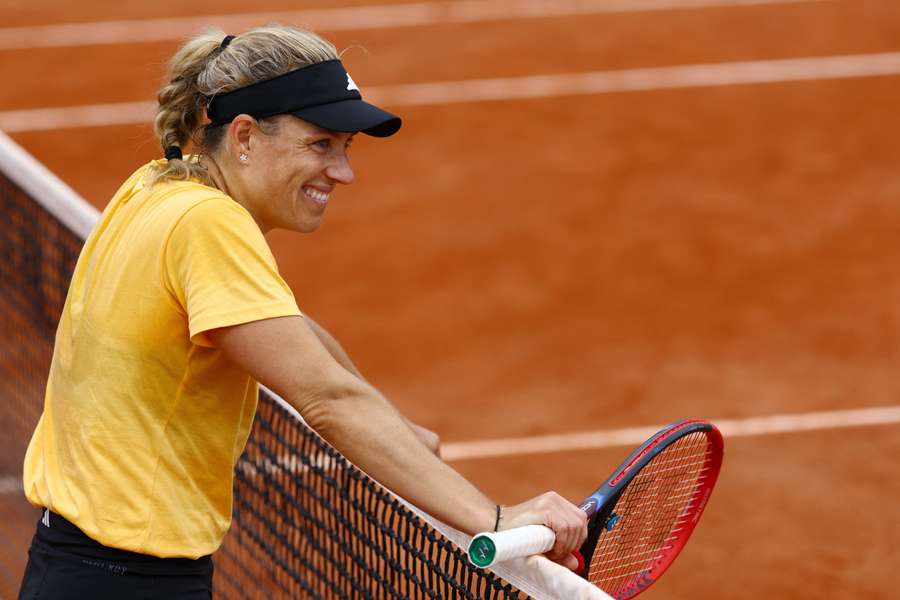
[202,68]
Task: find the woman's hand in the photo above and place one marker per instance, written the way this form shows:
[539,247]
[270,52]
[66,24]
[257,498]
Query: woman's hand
[431,440]
[567,521]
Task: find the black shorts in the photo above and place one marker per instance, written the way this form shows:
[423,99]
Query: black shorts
[64,564]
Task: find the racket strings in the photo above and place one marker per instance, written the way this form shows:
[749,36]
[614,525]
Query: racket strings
[651,512]
[652,509]
[648,512]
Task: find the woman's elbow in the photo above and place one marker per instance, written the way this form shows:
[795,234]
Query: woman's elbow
[327,408]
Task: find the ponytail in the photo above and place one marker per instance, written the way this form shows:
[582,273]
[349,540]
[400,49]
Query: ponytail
[180,111]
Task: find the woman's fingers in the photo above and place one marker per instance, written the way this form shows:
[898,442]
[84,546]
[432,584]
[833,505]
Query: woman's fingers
[431,440]
[567,521]
[571,531]
[570,562]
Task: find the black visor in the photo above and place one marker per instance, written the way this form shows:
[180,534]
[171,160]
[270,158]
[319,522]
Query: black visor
[323,94]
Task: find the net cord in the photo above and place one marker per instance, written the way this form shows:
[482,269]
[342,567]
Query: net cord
[46,188]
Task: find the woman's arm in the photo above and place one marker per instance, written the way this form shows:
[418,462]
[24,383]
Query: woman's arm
[334,348]
[431,439]
[287,356]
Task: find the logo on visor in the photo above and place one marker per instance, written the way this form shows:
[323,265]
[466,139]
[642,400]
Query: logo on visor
[351,85]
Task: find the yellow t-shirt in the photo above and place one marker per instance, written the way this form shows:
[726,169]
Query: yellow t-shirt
[143,418]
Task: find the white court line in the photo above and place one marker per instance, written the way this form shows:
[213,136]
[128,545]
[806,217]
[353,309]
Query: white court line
[92,115]
[730,428]
[632,436]
[10,485]
[514,88]
[347,18]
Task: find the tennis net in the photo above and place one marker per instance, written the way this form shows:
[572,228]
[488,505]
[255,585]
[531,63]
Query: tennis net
[306,522]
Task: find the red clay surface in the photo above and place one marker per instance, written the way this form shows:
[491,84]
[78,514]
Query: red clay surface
[526,267]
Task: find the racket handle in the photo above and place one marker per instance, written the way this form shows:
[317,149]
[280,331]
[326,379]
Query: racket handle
[487,548]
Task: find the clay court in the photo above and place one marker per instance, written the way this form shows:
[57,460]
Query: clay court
[585,253]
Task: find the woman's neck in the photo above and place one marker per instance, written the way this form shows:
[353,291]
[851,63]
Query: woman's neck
[215,173]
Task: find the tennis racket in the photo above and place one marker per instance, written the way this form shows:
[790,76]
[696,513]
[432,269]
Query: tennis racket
[638,520]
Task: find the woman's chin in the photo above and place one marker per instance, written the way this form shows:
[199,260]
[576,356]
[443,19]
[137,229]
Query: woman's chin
[306,225]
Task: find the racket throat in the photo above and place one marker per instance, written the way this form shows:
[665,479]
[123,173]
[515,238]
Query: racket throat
[603,520]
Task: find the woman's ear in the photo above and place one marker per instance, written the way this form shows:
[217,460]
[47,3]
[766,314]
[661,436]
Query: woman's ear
[240,133]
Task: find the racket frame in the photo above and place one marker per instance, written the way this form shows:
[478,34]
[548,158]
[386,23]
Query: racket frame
[600,505]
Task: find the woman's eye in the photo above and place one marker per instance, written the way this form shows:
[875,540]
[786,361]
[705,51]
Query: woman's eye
[322,144]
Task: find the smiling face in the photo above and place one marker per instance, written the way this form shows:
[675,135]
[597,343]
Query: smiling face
[291,169]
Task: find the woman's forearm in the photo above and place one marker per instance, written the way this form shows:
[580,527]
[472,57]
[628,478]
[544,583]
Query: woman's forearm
[370,432]
[284,354]
[431,440]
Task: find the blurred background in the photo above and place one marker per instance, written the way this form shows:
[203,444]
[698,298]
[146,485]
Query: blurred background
[598,215]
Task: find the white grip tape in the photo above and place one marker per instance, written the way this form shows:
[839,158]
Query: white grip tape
[514,543]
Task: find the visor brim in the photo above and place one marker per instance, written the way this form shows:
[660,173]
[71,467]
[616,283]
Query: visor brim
[352,115]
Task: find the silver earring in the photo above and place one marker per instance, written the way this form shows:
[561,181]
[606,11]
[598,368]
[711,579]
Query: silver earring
[243,157]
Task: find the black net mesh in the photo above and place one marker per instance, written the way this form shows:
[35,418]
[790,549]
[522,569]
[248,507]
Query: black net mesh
[307,523]
[38,256]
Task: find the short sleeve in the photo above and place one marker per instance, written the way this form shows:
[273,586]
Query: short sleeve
[221,270]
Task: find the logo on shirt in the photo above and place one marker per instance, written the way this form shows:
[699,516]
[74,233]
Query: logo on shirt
[351,85]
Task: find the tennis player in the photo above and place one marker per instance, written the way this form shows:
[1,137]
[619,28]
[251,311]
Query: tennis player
[176,310]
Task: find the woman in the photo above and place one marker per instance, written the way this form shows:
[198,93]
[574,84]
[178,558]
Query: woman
[175,311]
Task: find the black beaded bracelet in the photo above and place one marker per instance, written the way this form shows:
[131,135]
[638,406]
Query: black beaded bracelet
[497,522]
